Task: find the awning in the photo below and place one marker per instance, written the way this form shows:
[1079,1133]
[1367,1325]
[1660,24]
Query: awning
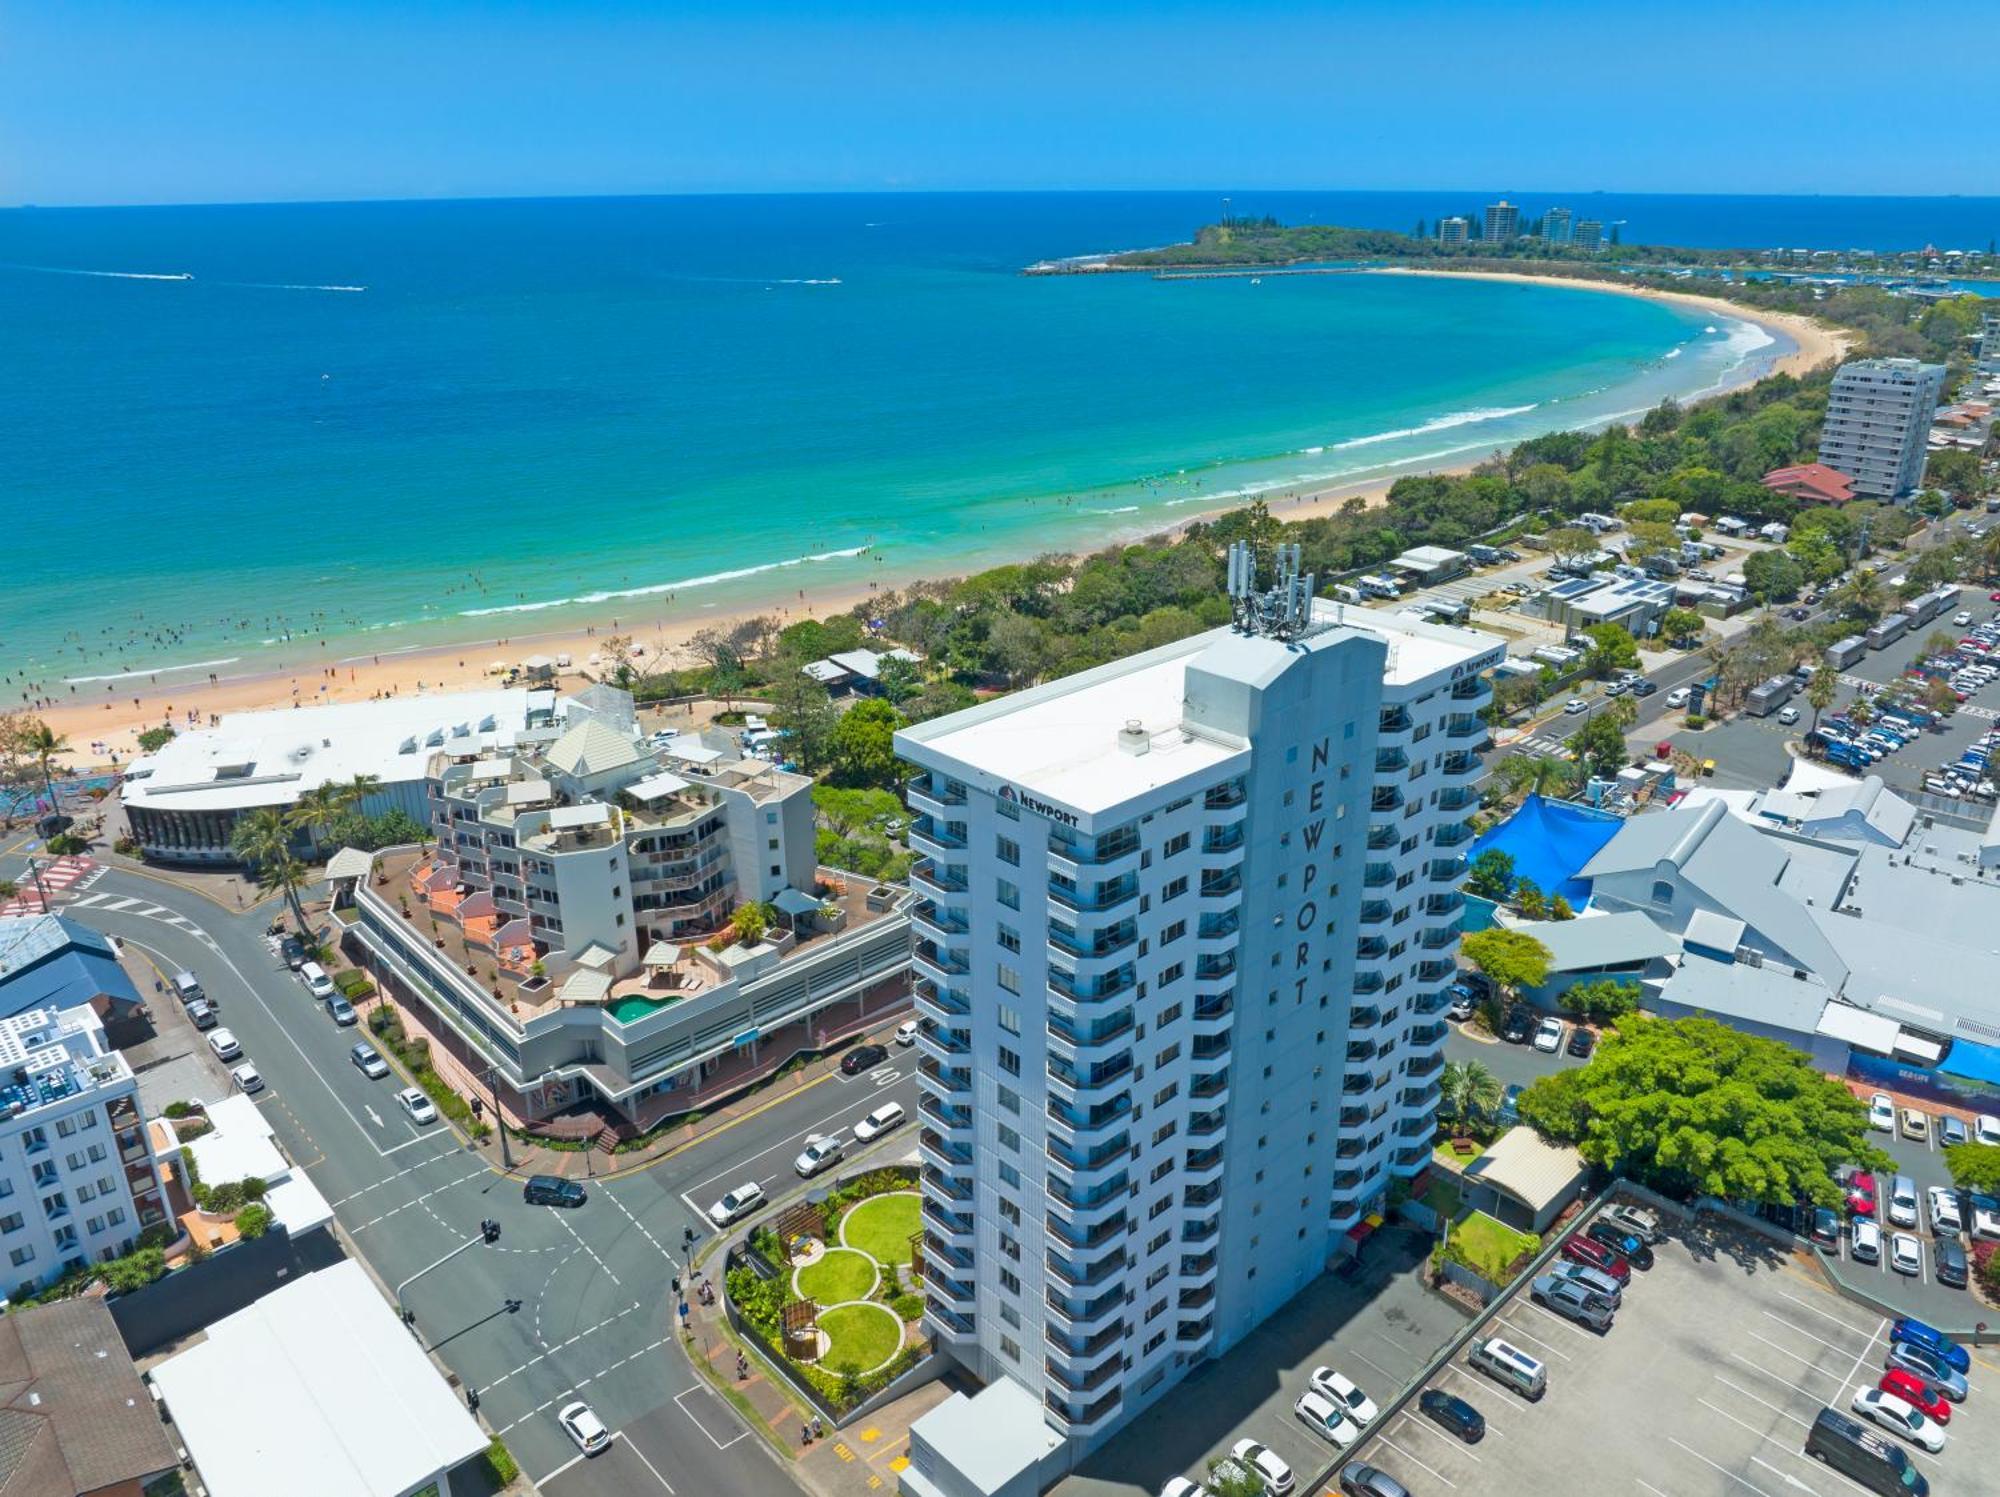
[349,862]
[597,956]
[796,902]
[656,786]
[662,954]
[586,987]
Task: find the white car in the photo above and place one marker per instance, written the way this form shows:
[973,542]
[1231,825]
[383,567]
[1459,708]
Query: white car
[1360,1407]
[1575,705]
[821,1150]
[1916,1125]
[737,1204]
[1907,1420]
[1985,1217]
[1882,1113]
[884,1118]
[1680,696]
[1180,1486]
[420,1108]
[1961,618]
[1549,1035]
[246,1078]
[906,1034]
[1326,1419]
[1266,1464]
[1945,1220]
[1906,1254]
[1986,1129]
[223,1043]
[1864,1240]
[584,1427]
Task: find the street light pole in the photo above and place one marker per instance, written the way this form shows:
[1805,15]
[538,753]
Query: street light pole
[35,873]
[499,1121]
[489,1231]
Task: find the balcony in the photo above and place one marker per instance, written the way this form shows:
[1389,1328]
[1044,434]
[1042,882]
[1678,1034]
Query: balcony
[951,1117]
[1106,1031]
[950,1321]
[1391,760]
[1472,689]
[1107,895]
[1462,764]
[1104,943]
[945,1041]
[1089,1078]
[956,1227]
[933,795]
[1224,797]
[952,1187]
[951,1291]
[1096,852]
[1201,1162]
[958,1258]
[1085,1315]
[1444,904]
[1222,838]
[1394,720]
[1079,1239]
[1359,1051]
[1202,1124]
[1437,970]
[1416,1154]
[1366,1017]
[1084,1417]
[1083,1382]
[944,920]
[1089,990]
[1209,1046]
[941,1001]
[941,879]
[945,1149]
[1084,1161]
[1374,911]
[1195,1330]
[1453,833]
[1201,1231]
[1218,927]
[1353,1117]
[1428,1065]
[1212,1006]
[1377,875]
[1457,798]
[1438,937]
[1197,1299]
[941,834]
[1385,798]
[1429,1034]
[951,1078]
[1421,1127]
[1445,870]
[1215,966]
[1088,1346]
[1464,725]
[1213,1084]
[1095,1197]
[1200,1266]
[942,959]
[1078,1122]
[1197,1196]
[1221,884]
[1075,1277]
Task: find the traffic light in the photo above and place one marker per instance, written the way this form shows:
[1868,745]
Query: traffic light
[490,1230]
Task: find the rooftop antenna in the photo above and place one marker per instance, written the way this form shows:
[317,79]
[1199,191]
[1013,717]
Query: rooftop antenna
[1284,610]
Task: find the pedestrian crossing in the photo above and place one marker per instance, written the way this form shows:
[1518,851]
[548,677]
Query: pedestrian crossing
[1538,746]
[126,904]
[55,879]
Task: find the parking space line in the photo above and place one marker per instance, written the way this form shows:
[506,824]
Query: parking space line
[633,1446]
[1552,1318]
[1415,1462]
[1781,1382]
[1781,1413]
[1452,1440]
[1487,1384]
[1649,1487]
[1829,1345]
[1823,1314]
[718,1444]
[1531,1336]
[1363,1357]
[1811,1363]
[1872,1338]
[1724,1470]
[560,1469]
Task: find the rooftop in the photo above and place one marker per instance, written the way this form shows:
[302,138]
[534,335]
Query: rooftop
[74,1416]
[267,1401]
[51,1055]
[50,961]
[1535,1173]
[1778,996]
[989,1440]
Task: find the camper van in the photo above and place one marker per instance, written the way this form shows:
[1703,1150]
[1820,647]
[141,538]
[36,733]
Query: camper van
[1508,1365]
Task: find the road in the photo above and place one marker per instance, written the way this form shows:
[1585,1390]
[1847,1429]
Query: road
[589,1289]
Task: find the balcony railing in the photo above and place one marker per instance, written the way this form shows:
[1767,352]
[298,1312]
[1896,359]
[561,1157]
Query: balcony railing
[926,874]
[1104,896]
[1095,1158]
[1385,798]
[951,1078]
[950,1000]
[1212,1084]
[1383,836]
[950,921]
[1080,1239]
[1202,1230]
[1214,1005]
[1224,797]
[951,1041]
[953,962]
[1090,1199]
[1451,834]
[1082,1382]
[1201,1124]
[1461,764]
[1221,885]
[945,834]
[953,1322]
[1222,838]
[1209,968]
[1086,1415]
[1076,1276]
[1104,943]
[1463,725]
[952,1187]
[1085,1346]
[1471,689]
[944,1148]
[1085,1311]
[944,792]
[1103,1032]
[1091,1078]
[1087,990]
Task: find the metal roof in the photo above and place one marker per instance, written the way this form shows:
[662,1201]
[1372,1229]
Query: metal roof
[1534,1172]
[1604,940]
[1736,990]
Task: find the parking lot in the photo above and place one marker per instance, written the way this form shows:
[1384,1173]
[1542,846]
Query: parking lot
[1378,1326]
[1708,1382]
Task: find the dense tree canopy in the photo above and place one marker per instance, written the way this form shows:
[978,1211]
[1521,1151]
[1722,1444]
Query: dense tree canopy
[1511,958]
[1691,1106]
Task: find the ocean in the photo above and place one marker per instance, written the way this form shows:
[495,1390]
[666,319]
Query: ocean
[224,430]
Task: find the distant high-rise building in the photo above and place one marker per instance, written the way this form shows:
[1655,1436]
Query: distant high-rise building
[1229,866]
[1503,222]
[1878,418]
[1989,344]
[1588,235]
[1453,231]
[1558,226]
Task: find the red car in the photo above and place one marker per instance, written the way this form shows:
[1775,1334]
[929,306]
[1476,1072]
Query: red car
[1595,1255]
[1861,1193]
[1914,1390]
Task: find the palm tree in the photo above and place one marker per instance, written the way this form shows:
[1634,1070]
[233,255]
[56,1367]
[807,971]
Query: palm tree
[359,789]
[315,811]
[1820,692]
[1533,774]
[263,839]
[44,745]
[1466,1087]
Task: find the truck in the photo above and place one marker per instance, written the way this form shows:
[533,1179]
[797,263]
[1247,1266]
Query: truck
[1773,694]
[1843,653]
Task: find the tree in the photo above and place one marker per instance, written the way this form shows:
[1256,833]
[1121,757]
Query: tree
[1537,774]
[861,748]
[801,709]
[1604,998]
[1492,875]
[1692,1107]
[749,922]
[1612,648]
[846,811]
[29,749]
[1466,1089]
[1528,899]
[315,811]
[1509,959]
[1974,1167]
[719,654]
[1568,542]
[154,739]
[1599,745]
[900,679]
[263,839]
[1559,908]
[1820,692]
[1773,576]
[1681,626]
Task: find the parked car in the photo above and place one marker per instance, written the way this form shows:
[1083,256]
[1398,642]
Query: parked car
[1360,1407]
[1582,1042]
[1549,1035]
[1861,1191]
[1915,1125]
[293,950]
[1454,1413]
[584,1427]
[737,1203]
[1266,1464]
[1902,1201]
[1898,1417]
[1864,1240]
[1326,1419]
[821,1151]
[1906,1254]
[1643,688]
[223,1043]
[202,1014]
[1180,1486]
[1569,1299]
[1928,1365]
[1518,1025]
[861,1057]
[553,1190]
[313,975]
[1636,1220]
[1912,1332]
[1825,1229]
[1952,1132]
[889,1115]
[906,1034]
[1882,1113]
[1575,705]
[1986,1128]
[1914,1391]
[1985,1215]
[1680,696]
[1594,1279]
[247,1080]
[1462,1003]
[368,1062]
[342,1011]
[1595,1255]
[1625,1244]
[1361,1480]
[1948,1262]
[420,1108]
[1945,1220]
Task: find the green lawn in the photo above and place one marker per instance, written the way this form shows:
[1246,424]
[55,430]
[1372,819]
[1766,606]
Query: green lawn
[839,1276]
[1489,1247]
[882,1227]
[863,1337]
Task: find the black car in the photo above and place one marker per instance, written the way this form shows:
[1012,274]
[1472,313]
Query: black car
[1825,1228]
[1643,688]
[861,1057]
[1518,1025]
[293,950]
[1621,1242]
[1949,1257]
[552,1190]
[1359,1479]
[1582,1041]
[1454,1413]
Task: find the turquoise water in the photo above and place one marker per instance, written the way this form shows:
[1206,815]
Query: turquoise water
[372,426]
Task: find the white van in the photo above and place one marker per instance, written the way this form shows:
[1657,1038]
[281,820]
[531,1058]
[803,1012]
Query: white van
[187,988]
[1507,1364]
[313,975]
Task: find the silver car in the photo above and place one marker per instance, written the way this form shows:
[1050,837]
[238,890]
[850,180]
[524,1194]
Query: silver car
[1596,1280]
[1572,1301]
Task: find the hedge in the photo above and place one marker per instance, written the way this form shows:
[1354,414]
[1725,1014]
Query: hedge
[415,1055]
[353,985]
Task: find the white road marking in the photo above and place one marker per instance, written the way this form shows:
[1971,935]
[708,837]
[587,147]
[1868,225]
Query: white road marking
[556,1212]
[478,1174]
[644,1230]
[1452,1440]
[1829,1345]
[1415,1462]
[1781,1413]
[633,1446]
[544,1481]
[718,1444]
[391,1179]
[373,1116]
[1876,1333]
[1723,1469]
[738,1171]
[1531,1336]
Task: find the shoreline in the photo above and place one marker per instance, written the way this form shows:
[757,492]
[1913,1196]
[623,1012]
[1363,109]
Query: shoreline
[100,728]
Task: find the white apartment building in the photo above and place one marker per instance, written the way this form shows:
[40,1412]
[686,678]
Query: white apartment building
[78,1180]
[1185,927]
[1558,226]
[1989,344]
[1878,420]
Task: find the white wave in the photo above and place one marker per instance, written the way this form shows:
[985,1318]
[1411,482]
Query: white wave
[114,275]
[1123,509]
[654,589]
[1672,353]
[156,670]
[808,280]
[1314,451]
[1711,328]
[1437,423]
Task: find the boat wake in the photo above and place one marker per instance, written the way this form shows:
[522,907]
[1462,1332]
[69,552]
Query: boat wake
[110,275]
[655,589]
[1437,423]
[287,286]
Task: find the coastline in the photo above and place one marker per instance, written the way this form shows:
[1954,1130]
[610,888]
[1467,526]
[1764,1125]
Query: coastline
[327,672]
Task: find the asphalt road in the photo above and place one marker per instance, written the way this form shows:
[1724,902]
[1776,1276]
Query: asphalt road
[590,1288]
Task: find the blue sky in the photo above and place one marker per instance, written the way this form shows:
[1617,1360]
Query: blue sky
[203,101]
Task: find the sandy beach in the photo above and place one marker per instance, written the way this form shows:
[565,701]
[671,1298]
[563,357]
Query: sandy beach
[102,723]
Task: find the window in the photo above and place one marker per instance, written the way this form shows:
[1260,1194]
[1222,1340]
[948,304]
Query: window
[1173,932]
[1010,1246]
[1007,850]
[1009,1139]
[1154,1343]
[1166,1094]
[1172,974]
[97,1153]
[1009,1019]
[1161,1170]
[1159,1242]
[1165,1133]
[115,1216]
[22,1255]
[1008,894]
[1177,845]
[12,1222]
[1007,809]
[1009,1176]
[1175,889]
[1010,1281]
[1010,1099]
[1167,1016]
[1010,939]
[1663,891]
[1156,1275]
[1163,1204]
[1009,1211]
[65,1127]
[1009,979]
[1156,1310]
[1010,1062]
[1167,1057]
[1009,1314]
[1011,1348]
[94,1225]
